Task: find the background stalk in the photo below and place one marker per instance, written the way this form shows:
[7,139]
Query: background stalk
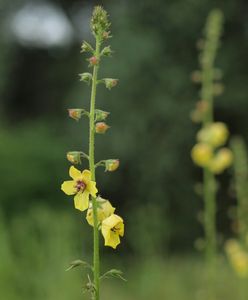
[96,255]
[211,43]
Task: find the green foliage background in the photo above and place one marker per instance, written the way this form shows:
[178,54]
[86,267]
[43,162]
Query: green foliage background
[151,132]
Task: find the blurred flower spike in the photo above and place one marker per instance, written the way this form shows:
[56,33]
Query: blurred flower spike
[112,229]
[112,165]
[81,186]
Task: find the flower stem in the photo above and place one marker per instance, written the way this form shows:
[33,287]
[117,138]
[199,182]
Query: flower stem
[96,256]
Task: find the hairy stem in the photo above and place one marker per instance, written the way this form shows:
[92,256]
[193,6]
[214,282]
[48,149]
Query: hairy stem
[96,256]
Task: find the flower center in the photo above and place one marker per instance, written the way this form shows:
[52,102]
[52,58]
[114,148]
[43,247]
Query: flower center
[80,186]
[114,229]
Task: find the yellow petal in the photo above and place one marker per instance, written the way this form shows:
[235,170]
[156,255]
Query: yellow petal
[112,240]
[75,173]
[86,176]
[120,227]
[81,200]
[112,221]
[91,187]
[68,187]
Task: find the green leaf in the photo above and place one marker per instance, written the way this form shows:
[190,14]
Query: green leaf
[78,263]
[113,273]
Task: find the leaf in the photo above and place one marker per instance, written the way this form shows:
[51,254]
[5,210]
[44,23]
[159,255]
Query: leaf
[78,263]
[113,273]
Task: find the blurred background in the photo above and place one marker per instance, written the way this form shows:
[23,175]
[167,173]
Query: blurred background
[151,133]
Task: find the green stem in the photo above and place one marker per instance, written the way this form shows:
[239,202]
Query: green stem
[96,256]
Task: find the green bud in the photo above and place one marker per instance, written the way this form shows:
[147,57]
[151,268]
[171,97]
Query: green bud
[99,22]
[101,115]
[110,82]
[75,113]
[86,47]
[74,157]
[112,164]
[86,77]
[106,51]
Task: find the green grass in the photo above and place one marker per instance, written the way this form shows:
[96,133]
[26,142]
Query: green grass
[37,246]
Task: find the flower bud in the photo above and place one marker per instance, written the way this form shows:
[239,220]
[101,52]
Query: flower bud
[104,210]
[196,76]
[74,157]
[101,115]
[106,35]
[202,154]
[86,47]
[93,61]
[221,161]
[99,21]
[101,127]
[218,89]
[215,134]
[106,51]
[86,77]
[110,82]
[112,165]
[75,113]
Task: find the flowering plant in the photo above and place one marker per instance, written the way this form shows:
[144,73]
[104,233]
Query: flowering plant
[100,213]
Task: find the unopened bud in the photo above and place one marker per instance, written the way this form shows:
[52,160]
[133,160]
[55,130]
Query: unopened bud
[75,113]
[101,127]
[202,154]
[196,76]
[86,47]
[112,165]
[93,61]
[101,115]
[215,134]
[106,35]
[106,51]
[86,77]
[110,82]
[99,21]
[218,89]
[74,157]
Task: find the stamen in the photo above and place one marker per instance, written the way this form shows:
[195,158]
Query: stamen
[80,186]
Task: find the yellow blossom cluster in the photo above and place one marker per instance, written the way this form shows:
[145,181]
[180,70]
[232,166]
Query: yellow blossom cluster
[209,151]
[238,257]
[82,187]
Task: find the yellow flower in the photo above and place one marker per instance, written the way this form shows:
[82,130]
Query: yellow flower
[81,186]
[215,134]
[222,160]
[112,229]
[202,154]
[104,210]
[238,258]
